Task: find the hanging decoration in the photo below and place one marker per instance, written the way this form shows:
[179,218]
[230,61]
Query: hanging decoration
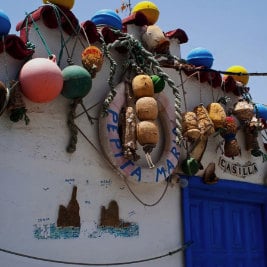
[158,83]
[216,114]
[16,105]
[209,176]
[77,82]
[147,112]
[154,40]
[41,79]
[92,59]
[231,147]
[4,97]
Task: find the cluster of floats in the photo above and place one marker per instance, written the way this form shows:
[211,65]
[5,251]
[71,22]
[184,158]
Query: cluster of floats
[135,109]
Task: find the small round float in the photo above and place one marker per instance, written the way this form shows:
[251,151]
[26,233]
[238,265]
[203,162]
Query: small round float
[200,57]
[136,171]
[41,79]
[107,17]
[65,3]
[238,70]
[5,24]
[149,9]
[92,59]
[158,82]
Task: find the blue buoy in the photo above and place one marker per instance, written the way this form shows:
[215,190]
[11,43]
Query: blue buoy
[5,24]
[261,111]
[200,57]
[107,17]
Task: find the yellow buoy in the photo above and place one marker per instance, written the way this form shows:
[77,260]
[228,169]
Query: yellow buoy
[65,3]
[149,9]
[239,78]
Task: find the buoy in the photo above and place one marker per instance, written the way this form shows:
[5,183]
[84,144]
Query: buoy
[65,3]
[200,57]
[149,9]
[77,82]
[107,17]
[261,111]
[147,132]
[158,82]
[146,108]
[5,24]
[41,79]
[142,86]
[92,59]
[238,78]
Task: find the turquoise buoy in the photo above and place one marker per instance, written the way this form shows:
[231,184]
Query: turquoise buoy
[5,24]
[158,82]
[77,82]
[200,57]
[107,17]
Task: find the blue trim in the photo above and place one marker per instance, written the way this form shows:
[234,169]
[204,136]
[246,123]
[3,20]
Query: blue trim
[224,189]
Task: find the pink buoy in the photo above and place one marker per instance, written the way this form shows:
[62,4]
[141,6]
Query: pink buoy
[41,79]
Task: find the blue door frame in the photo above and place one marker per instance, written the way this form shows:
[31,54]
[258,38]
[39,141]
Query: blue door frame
[225,191]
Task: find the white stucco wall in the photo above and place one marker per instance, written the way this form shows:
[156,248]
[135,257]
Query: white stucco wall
[37,175]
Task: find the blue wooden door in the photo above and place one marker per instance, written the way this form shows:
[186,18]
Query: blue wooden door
[227,229]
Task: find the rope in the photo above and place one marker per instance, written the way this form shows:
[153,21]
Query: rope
[113,67]
[182,248]
[123,176]
[39,33]
[72,126]
[144,59]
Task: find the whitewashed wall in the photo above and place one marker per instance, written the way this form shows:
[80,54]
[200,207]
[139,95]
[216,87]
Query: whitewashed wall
[38,175]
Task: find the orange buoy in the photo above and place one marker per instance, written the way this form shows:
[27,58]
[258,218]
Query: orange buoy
[92,59]
[41,80]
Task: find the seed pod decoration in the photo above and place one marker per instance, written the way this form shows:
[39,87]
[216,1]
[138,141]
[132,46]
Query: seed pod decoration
[231,147]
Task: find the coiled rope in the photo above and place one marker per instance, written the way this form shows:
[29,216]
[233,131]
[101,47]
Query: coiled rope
[144,61]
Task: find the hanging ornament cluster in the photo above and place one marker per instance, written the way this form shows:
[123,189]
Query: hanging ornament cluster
[245,112]
[197,126]
[147,112]
[41,79]
[92,59]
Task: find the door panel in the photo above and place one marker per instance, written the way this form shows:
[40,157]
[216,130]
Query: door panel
[226,233]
